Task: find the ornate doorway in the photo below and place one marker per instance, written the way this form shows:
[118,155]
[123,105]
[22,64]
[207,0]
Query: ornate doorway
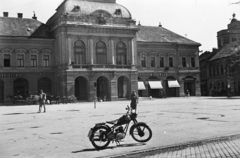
[81,91]
[123,87]
[103,89]
[20,87]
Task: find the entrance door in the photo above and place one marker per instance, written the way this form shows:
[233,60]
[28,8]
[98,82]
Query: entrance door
[102,89]
[190,87]
[122,87]
[81,88]
[20,87]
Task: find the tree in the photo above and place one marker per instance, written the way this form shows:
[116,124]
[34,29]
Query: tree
[232,61]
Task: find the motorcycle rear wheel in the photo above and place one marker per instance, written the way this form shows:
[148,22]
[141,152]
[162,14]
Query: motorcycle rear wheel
[141,133]
[99,137]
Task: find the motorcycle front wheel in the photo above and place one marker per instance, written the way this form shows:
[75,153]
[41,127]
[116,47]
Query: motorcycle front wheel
[99,137]
[141,133]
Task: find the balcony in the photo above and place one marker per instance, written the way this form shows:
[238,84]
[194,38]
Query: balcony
[101,67]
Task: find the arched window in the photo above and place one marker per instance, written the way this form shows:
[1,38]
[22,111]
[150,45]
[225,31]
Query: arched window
[121,54]
[79,53]
[101,53]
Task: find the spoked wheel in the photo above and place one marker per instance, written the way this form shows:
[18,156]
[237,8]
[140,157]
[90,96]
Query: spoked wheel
[99,138]
[141,133]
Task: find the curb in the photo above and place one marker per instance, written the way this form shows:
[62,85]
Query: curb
[182,146]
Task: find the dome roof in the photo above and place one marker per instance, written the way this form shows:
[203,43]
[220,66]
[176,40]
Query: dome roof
[88,7]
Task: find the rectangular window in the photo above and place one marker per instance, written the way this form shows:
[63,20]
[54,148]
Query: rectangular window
[45,60]
[152,61]
[20,60]
[210,71]
[192,62]
[170,61]
[161,61]
[143,61]
[7,61]
[33,60]
[222,69]
[184,62]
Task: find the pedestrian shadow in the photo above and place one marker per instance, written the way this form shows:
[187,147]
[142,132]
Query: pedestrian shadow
[20,113]
[111,147]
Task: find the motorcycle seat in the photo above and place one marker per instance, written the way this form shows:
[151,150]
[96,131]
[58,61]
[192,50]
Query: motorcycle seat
[112,122]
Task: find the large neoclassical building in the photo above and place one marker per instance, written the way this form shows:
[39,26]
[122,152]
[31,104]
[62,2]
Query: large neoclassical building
[93,48]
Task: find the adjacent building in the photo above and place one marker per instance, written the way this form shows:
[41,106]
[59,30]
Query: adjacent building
[217,79]
[94,49]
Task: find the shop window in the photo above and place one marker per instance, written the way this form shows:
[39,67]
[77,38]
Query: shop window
[33,60]
[153,62]
[7,60]
[161,61]
[101,53]
[20,60]
[121,54]
[193,62]
[170,61]
[79,53]
[184,62]
[143,61]
[45,60]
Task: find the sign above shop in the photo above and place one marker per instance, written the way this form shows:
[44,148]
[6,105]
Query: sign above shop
[152,74]
[10,75]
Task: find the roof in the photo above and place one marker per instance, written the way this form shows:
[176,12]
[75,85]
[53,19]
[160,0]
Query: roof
[21,27]
[160,34]
[87,7]
[227,50]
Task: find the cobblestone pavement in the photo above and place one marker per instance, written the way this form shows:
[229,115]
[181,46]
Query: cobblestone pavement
[225,147]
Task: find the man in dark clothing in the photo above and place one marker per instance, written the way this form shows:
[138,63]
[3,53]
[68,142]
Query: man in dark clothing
[42,99]
[134,100]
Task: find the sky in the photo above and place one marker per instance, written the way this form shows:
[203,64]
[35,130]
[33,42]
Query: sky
[198,20]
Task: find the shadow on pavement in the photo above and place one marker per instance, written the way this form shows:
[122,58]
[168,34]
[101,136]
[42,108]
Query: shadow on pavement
[224,98]
[112,147]
[21,113]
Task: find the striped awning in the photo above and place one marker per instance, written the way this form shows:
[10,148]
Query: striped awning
[155,84]
[173,84]
[141,86]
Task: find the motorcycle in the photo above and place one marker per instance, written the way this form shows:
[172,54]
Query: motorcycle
[114,131]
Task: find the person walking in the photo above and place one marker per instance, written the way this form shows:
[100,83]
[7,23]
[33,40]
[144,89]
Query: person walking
[134,100]
[42,100]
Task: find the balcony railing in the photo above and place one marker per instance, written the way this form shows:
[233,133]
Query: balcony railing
[75,66]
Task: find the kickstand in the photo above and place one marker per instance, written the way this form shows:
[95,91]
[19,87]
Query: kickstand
[117,142]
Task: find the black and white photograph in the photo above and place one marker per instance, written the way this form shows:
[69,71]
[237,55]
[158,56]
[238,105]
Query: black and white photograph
[119,78]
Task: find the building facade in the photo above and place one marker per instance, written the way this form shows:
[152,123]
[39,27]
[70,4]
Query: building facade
[93,49]
[217,79]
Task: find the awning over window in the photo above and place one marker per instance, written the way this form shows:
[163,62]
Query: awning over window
[155,84]
[141,86]
[173,84]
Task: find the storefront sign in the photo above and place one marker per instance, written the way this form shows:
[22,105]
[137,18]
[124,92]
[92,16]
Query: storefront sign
[11,75]
[152,74]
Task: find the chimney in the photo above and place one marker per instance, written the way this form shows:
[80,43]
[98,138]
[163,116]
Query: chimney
[5,14]
[139,24]
[20,15]
[34,16]
[160,25]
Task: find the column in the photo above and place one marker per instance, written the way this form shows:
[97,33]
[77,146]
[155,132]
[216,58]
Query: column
[133,51]
[113,88]
[90,46]
[198,88]
[182,93]
[112,50]
[69,50]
